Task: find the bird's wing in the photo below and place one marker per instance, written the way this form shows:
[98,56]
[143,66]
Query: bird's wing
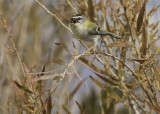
[96,30]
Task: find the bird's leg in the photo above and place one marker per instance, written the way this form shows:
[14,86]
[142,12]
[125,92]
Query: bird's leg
[94,50]
[101,44]
[101,47]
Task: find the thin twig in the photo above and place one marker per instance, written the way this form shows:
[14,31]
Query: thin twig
[76,57]
[61,75]
[13,44]
[47,72]
[124,86]
[72,6]
[130,30]
[100,101]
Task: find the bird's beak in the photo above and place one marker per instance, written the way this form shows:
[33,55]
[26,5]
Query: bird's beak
[73,20]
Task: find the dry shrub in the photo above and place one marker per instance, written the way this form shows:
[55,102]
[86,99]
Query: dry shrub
[36,36]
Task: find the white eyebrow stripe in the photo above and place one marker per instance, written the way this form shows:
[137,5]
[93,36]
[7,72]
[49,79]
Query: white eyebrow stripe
[77,17]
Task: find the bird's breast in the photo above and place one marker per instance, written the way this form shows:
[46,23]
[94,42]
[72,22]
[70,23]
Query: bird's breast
[82,33]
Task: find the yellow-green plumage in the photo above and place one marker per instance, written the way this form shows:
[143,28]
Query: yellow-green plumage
[88,23]
[87,30]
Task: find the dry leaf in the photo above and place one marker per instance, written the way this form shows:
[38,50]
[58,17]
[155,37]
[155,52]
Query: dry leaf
[141,16]
[119,44]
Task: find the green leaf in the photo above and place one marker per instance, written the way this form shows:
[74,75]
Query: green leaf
[103,86]
[71,95]
[38,86]
[57,77]
[113,94]
[80,107]
[58,61]
[23,88]
[107,80]
[49,104]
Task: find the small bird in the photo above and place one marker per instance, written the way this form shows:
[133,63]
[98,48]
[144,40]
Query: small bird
[87,30]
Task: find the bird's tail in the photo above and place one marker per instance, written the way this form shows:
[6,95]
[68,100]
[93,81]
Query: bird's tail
[111,34]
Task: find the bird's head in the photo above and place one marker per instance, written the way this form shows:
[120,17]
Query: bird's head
[77,19]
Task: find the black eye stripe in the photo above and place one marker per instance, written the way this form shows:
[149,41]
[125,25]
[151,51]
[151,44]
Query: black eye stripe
[79,18]
[76,19]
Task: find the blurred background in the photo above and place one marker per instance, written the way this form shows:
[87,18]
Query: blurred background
[44,45]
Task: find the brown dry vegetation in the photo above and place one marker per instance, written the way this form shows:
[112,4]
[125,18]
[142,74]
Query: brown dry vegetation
[43,69]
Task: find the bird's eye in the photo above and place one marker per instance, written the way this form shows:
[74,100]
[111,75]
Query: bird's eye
[78,19]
